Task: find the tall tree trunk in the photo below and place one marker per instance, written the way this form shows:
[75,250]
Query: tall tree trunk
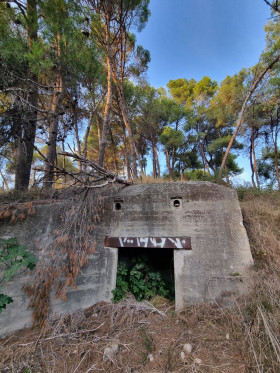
[126,158]
[98,125]
[182,173]
[57,98]
[276,156]
[254,85]
[255,162]
[114,153]
[204,157]
[90,120]
[26,139]
[53,131]
[4,181]
[134,153]
[78,142]
[64,160]
[105,128]
[251,157]
[154,164]
[168,164]
[173,159]
[89,125]
[157,161]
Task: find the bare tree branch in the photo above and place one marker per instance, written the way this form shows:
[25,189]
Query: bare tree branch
[273,5]
[100,170]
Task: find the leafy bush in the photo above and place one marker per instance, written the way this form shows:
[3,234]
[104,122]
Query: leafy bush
[199,175]
[13,258]
[139,279]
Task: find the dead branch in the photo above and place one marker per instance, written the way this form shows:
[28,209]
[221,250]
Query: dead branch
[63,335]
[98,169]
[83,178]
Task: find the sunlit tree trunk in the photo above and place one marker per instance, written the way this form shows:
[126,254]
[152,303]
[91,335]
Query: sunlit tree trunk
[157,161]
[251,158]
[105,128]
[126,158]
[254,159]
[205,162]
[4,181]
[133,151]
[79,147]
[168,164]
[114,153]
[154,164]
[275,140]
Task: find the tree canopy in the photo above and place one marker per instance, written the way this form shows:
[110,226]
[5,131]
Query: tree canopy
[73,80]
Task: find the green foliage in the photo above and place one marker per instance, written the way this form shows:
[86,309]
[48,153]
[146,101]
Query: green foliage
[122,286]
[140,280]
[170,137]
[267,167]
[245,190]
[199,175]
[14,258]
[218,143]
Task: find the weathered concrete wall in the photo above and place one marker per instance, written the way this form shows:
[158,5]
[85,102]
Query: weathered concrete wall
[211,216]
[208,213]
[95,281]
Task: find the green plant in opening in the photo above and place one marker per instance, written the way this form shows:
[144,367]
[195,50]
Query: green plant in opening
[139,279]
[13,258]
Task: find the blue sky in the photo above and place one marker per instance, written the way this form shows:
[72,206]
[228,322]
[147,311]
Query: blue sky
[194,38]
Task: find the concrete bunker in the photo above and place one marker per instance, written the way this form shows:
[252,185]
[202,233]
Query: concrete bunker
[157,250]
[201,220]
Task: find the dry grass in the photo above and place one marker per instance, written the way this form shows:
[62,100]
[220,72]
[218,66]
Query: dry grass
[30,195]
[153,338]
[148,339]
[260,311]
[147,179]
[261,214]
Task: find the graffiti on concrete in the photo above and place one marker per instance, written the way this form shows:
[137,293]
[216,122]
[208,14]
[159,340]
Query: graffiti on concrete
[150,242]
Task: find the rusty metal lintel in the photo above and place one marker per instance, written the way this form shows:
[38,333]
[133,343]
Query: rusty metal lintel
[150,242]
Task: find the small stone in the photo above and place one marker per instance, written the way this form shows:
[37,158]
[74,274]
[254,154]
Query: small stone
[187,348]
[182,355]
[227,336]
[110,351]
[151,358]
[198,361]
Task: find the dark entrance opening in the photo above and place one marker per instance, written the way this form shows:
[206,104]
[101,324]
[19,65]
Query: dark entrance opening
[159,261]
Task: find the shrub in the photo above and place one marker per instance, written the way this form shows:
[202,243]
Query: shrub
[13,258]
[139,279]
